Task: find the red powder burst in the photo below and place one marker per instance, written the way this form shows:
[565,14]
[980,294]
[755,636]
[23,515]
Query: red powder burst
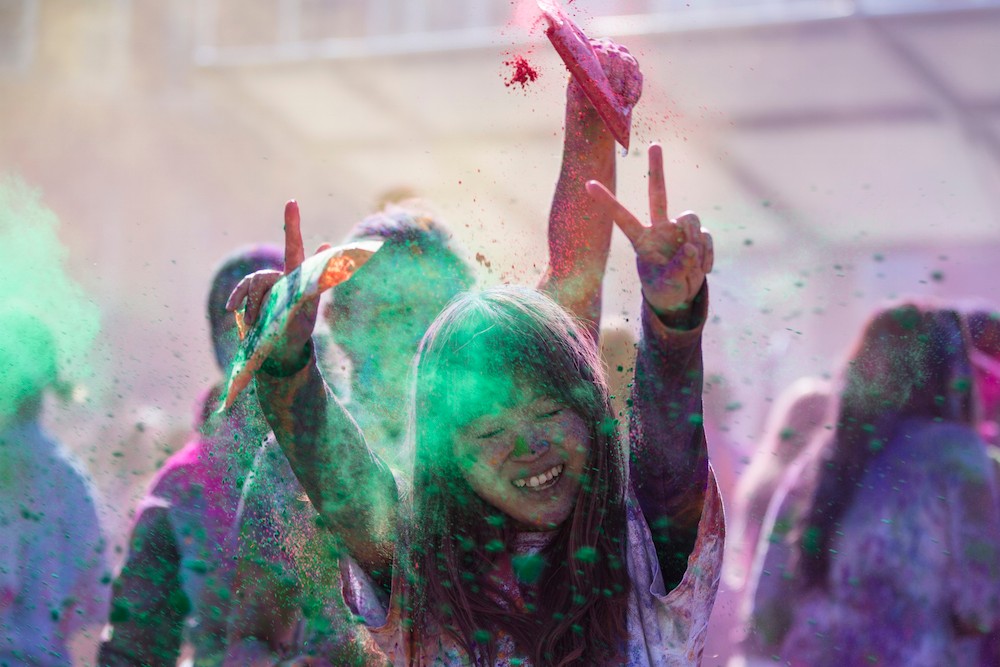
[524,73]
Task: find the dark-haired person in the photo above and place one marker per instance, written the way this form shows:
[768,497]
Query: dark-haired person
[175,583]
[521,540]
[52,559]
[984,329]
[377,319]
[882,544]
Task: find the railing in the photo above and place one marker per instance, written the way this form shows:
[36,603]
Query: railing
[236,32]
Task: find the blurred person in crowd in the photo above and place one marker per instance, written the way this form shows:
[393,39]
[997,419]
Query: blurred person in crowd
[175,583]
[53,576]
[984,330]
[882,544]
[798,415]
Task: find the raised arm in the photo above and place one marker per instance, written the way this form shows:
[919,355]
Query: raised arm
[352,489]
[579,234]
[669,457]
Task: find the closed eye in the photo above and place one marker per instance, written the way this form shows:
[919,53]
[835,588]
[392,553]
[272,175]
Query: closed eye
[486,435]
[550,413]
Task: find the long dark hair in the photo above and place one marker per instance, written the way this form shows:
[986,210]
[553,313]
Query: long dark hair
[456,546]
[910,362]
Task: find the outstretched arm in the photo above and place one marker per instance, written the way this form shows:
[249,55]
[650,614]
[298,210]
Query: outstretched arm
[669,458]
[579,234]
[352,489]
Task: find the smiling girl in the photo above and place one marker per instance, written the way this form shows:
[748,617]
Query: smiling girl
[523,540]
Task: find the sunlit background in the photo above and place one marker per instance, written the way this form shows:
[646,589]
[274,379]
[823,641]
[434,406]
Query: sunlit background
[842,153]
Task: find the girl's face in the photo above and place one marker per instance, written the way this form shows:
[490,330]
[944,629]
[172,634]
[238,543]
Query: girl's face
[526,459]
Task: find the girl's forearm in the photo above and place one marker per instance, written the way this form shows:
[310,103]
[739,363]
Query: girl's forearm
[579,235]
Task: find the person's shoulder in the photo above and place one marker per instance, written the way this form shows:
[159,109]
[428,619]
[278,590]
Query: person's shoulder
[180,469]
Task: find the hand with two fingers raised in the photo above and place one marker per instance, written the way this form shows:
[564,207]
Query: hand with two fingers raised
[672,256]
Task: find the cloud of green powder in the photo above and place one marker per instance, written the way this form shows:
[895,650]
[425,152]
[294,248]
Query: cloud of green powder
[47,323]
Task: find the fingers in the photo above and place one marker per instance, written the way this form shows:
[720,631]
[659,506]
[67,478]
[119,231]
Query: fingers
[255,298]
[708,260]
[698,238]
[294,251]
[252,288]
[690,227]
[628,223]
[239,293]
[657,186]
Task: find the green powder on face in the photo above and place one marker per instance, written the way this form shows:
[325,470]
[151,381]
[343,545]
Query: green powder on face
[47,325]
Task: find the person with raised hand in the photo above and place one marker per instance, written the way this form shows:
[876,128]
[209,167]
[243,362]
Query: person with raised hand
[521,542]
[376,320]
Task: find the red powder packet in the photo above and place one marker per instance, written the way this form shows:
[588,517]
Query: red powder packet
[313,277]
[574,48]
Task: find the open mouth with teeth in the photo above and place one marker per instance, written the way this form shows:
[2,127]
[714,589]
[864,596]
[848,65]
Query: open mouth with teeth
[543,480]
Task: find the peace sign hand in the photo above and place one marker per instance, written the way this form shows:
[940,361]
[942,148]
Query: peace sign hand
[672,256]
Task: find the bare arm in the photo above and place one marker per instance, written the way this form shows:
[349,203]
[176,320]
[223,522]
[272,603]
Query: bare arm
[579,233]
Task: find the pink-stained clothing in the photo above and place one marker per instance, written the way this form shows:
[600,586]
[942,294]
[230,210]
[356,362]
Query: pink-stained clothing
[53,574]
[914,577]
[176,581]
[668,612]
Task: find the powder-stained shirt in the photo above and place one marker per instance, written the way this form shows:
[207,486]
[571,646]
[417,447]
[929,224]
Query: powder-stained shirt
[53,575]
[914,573]
[667,621]
[665,628]
[178,570]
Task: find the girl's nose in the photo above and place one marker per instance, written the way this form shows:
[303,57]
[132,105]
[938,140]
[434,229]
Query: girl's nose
[529,449]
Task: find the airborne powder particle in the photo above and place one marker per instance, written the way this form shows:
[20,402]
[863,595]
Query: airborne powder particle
[524,73]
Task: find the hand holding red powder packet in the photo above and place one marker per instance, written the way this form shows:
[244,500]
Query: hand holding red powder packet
[576,52]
